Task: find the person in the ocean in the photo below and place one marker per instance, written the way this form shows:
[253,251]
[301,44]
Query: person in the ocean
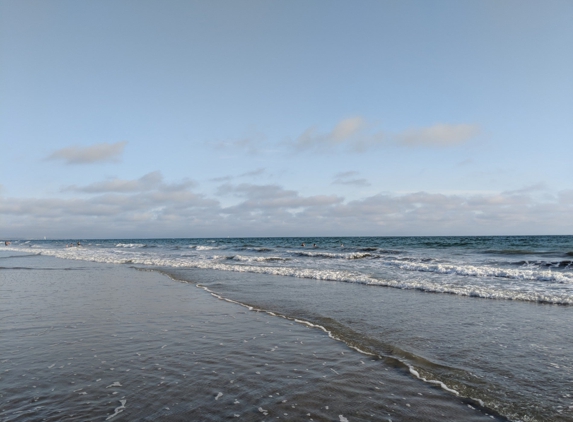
[314,245]
[7,243]
[302,245]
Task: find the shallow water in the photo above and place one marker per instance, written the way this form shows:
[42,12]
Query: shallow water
[84,341]
[515,357]
[489,317]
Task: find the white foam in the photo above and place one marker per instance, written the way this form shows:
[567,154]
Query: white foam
[440,383]
[118,409]
[350,255]
[219,395]
[205,248]
[245,258]
[484,271]
[534,285]
[115,384]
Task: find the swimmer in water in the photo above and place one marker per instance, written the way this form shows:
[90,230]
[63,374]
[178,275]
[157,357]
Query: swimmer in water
[314,245]
[302,245]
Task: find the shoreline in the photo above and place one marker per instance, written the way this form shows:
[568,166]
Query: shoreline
[468,400]
[158,334]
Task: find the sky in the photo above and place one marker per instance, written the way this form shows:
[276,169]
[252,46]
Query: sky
[136,119]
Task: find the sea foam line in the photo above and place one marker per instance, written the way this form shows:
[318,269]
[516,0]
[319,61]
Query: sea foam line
[330,334]
[485,271]
[563,296]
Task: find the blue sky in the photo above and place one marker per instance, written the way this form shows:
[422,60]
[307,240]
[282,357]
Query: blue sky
[271,118]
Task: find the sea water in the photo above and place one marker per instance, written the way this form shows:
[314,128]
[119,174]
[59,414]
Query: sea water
[485,318]
[88,341]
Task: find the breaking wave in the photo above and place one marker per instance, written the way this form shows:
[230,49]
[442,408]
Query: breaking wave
[467,280]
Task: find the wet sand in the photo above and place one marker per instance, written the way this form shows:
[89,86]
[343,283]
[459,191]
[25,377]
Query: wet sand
[84,341]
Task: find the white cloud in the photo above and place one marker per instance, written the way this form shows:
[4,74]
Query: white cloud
[149,182]
[439,135]
[347,128]
[345,131]
[354,134]
[113,208]
[348,178]
[264,197]
[150,207]
[146,182]
[87,155]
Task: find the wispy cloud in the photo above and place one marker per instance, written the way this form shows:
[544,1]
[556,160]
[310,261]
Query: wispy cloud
[148,182]
[465,163]
[91,154]
[253,143]
[253,173]
[349,178]
[355,134]
[346,131]
[537,187]
[221,179]
[439,135]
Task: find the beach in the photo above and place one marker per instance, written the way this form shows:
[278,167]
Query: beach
[286,210]
[92,341]
[328,329]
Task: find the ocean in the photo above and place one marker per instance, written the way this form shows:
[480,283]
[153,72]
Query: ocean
[482,323]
